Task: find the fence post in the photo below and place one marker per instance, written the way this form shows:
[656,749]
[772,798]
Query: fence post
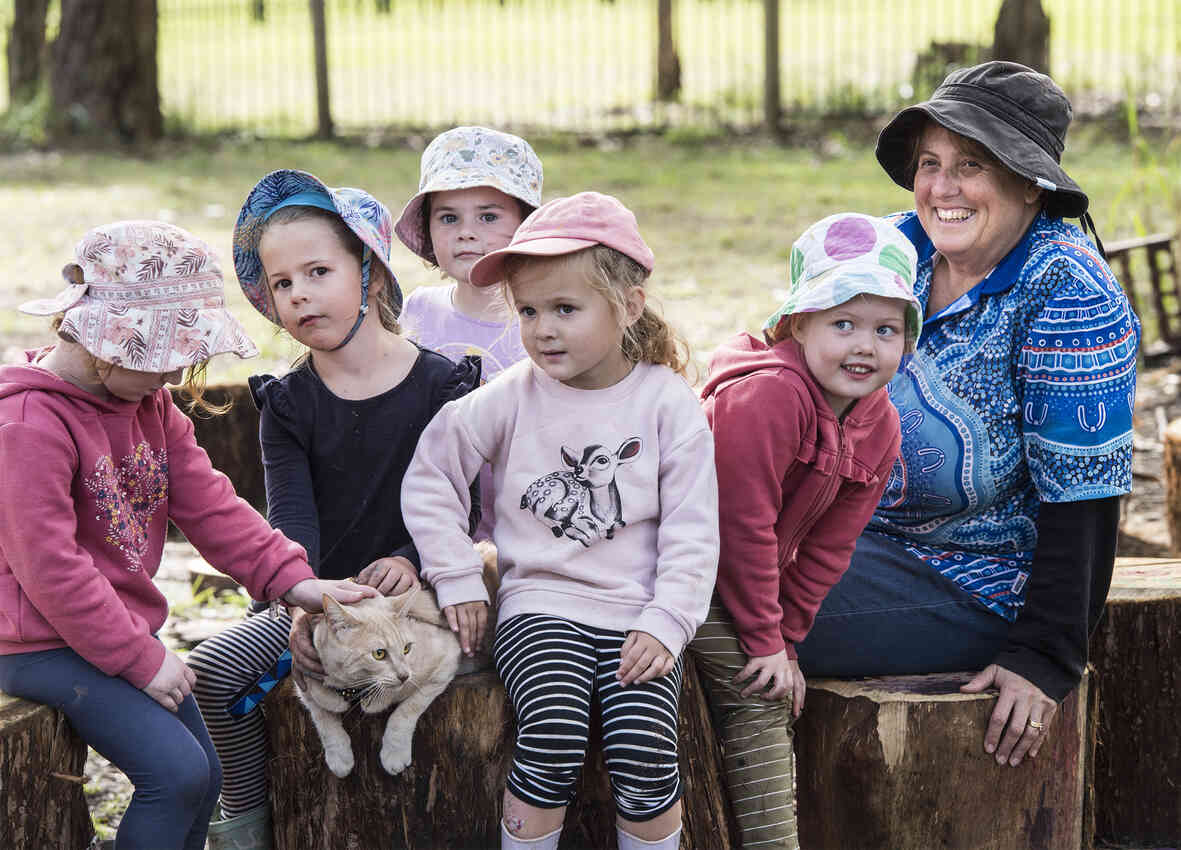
[668,63]
[320,39]
[772,109]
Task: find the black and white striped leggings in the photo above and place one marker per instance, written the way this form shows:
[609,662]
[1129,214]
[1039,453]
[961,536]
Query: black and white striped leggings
[553,669]
[225,664]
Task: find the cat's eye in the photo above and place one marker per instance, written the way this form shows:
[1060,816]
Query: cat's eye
[406,650]
[379,654]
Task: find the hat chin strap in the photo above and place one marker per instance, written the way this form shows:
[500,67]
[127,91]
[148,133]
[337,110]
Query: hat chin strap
[1090,222]
[365,265]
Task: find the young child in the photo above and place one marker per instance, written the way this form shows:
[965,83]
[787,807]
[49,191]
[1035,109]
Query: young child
[337,434]
[94,460]
[606,522]
[805,440]
[475,188]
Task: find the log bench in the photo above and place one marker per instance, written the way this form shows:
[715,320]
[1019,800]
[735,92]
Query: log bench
[41,764]
[899,762]
[450,796]
[1136,651]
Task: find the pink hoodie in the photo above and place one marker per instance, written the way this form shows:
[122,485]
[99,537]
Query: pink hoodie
[795,486]
[87,487]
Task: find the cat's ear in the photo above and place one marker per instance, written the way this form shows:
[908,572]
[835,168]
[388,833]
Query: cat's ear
[338,618]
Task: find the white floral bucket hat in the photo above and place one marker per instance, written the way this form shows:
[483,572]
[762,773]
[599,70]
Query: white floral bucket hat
[846,255]
[147,296]
[464,157]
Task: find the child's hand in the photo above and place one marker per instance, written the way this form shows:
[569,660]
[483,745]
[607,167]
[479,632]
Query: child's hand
[775,676]
[642,659]
[308,593]
[304,658]
[390,576]
[172,683]
[469,619]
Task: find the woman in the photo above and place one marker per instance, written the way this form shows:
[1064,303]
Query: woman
[993,544]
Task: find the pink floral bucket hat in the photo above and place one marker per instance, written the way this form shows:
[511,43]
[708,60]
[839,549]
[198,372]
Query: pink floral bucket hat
[846,255]
[147,296]
[465,157]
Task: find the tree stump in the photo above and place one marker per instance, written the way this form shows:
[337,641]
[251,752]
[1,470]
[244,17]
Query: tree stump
[231,440]
[41,764]
[450,796]
[899,762]
[1136,651]
[1172,464]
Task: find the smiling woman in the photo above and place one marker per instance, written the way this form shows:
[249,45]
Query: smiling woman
[993,544]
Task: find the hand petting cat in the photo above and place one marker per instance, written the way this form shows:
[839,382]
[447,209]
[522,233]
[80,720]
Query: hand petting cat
[390,576]
[309,593]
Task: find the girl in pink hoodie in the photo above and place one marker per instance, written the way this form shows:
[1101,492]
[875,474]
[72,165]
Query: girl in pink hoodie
[805,437]
[95,459]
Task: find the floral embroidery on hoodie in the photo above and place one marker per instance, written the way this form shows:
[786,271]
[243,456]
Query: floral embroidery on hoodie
[128,497]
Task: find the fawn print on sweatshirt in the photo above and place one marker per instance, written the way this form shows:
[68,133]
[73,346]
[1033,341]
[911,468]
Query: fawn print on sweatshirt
[583,502]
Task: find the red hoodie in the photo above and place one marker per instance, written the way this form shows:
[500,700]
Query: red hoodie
[87,486]
[795,486]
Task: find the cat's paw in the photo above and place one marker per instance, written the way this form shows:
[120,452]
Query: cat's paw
[395,754]
[340,762]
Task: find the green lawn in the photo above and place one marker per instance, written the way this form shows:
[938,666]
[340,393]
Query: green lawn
[721,220]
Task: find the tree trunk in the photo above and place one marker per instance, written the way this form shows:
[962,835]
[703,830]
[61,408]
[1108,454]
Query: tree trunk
[668,63]
[900,762]
[324,128]
[41,799]
[26,50]
[450,796]
[1137,654]
[1022,34]
[772,101]
[104,83]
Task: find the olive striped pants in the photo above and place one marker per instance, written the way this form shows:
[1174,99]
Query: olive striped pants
[756,738]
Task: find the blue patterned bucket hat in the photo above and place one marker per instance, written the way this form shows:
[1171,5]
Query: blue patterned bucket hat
[465,157]
[846,255]
[364,214]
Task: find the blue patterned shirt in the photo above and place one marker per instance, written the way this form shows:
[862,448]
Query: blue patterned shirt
[1021,391]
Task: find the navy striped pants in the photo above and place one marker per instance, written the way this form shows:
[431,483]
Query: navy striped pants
[554,670]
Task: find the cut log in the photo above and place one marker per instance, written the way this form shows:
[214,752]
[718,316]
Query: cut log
[899,762]
[231,439]
[1136,651]
[41,763]
[1172,464]
[450,796]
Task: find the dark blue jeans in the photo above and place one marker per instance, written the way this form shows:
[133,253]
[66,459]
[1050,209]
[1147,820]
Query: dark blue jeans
[168,757]
[892,614]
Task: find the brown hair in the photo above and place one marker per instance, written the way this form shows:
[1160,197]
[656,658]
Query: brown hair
[965,145]
[612,273]
[192,385]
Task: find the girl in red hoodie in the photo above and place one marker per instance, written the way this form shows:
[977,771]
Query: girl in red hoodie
[805,439]
[95,459]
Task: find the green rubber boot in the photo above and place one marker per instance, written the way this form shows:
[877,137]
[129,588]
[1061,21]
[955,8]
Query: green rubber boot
[248,831]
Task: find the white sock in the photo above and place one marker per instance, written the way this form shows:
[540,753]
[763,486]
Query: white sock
[627,841]
[508,841]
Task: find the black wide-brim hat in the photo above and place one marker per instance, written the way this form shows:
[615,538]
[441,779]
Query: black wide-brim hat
[1018,114]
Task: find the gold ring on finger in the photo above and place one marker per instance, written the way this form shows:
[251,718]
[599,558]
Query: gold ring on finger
[1037,724]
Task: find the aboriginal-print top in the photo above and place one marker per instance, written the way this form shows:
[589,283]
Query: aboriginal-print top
[1021,391]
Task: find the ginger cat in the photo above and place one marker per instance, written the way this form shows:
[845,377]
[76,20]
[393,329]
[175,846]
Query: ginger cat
[378,652]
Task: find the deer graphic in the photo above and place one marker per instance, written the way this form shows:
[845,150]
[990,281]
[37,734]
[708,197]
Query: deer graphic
[582,503]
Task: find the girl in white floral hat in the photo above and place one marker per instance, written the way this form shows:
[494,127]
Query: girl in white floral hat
[805,437]
[475,188]
[95,459]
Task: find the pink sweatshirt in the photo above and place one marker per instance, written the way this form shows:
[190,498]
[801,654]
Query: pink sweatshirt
[795,486]
[606,500]
[87,486]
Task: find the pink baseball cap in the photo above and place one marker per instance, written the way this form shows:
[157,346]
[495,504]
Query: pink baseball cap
[566,225]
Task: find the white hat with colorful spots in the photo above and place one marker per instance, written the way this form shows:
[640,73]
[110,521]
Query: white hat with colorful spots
[851,254]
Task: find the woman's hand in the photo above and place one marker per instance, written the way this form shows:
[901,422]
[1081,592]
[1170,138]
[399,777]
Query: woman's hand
[1021,706]
[642,659]
[172,683]
[390,576]
[783,674]
[469,620]
[304,658]
[308,593]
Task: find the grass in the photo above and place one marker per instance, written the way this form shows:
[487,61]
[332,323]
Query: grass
[590,64]
[720,219]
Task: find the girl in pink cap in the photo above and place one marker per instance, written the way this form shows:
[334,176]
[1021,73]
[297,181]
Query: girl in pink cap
[805,439]
[95,459]
[606,520]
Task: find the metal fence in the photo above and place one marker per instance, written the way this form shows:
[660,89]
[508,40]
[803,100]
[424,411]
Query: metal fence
[590,65]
